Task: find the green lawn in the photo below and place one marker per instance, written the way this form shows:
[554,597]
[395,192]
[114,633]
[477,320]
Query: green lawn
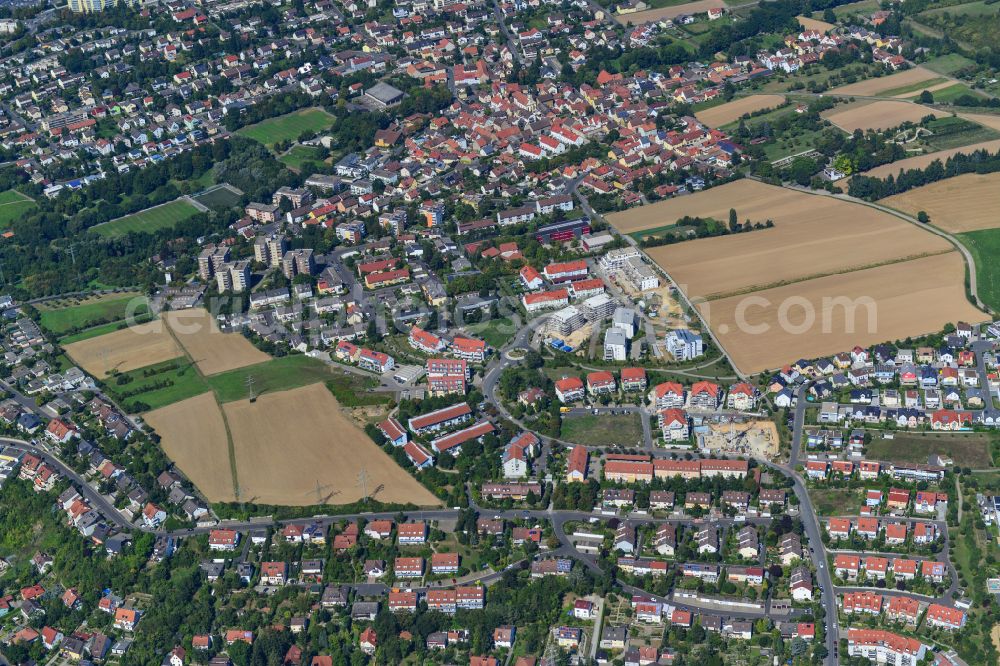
[65,315]
[985,248]
[602,429]
[836,501]
[951,93]
[299,155]
[157,385]
[967,450]
[149,220]
[13,205]
[495,332]
[279,374]
[948,64]
[289,126]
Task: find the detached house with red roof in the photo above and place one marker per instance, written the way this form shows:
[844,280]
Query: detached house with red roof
[569,389]
[951,619]
[531,278]
[60,431]
[742,397]
[426,342]
[633,379]
[601,382]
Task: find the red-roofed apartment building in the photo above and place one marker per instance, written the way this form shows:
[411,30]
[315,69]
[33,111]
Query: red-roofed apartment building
[446,375]
[576,464]
[569,389]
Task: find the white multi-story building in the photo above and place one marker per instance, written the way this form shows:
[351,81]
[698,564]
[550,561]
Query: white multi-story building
[615,344]
[684,345]
[624,318]
[885,647]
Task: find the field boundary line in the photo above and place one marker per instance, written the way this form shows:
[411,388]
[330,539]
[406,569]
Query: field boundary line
[230,445]
[817,276]
[197,204]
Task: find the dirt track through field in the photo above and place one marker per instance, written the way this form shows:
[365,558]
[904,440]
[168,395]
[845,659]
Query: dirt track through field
[964,203]
[811,236]
[213,350]
[290,444]
[717,116]
[193,435]
[877,115]
[898,293]
[870,87]
[130,348]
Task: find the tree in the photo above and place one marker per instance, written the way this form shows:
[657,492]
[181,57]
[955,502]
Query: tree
[926,97]
[734,222]
[923,217]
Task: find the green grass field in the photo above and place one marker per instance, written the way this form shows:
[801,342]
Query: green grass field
[913,88]
[299,155]
[65,315]
[289,126]
[13,205]
[149,220]
[495,332]
[166,383]
[954,132]
[967,450]
[951,93]
[985,247]
[102,329]
[948,64]
[836,501]
[218,199]
[279,374]
[602,429]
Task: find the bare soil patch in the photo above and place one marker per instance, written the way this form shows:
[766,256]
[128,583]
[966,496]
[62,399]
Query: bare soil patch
[921,161]
[124,350]
[638,18]
[968,202]
[211,349]
[877,115]
[897,80]
[812,236]
[900,292]
[724,114]
[289,443]
[193,435]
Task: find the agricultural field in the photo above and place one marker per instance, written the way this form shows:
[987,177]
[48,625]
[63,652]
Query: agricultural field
[13,206]
[766,329]
[126,349]
[880,85]
[602,429]
[814,24]
[968,202]
[218,197]
[723,114]
[149,220]
[812,236]
[921,161]
[193,435]
[948,64]
[984,245]
[157,385]
[289,126]
[967,450]
[298,155]
[638,18]
[296,447]
[213,350]
[883,115]
[70,314]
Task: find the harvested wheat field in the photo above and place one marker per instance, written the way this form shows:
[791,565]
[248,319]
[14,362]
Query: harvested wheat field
[877,115]
[717,116]
[814,24]
[638,18]
[812,236]
[984,119]
[870,87]
[212,350]
[921,161]
[288,442]
[899,294]
[193,435]
[964,203]
[124,350]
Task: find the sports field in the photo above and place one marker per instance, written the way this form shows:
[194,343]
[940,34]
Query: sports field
[124,350]
[881,84]
[149,220]
[13,205]
[213,350]
[67,314]
[877,115]
[193,435]
[812,236]
[218,197]
[289,126]
[769,328]
[296,447]
[717,116]
[968,202]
